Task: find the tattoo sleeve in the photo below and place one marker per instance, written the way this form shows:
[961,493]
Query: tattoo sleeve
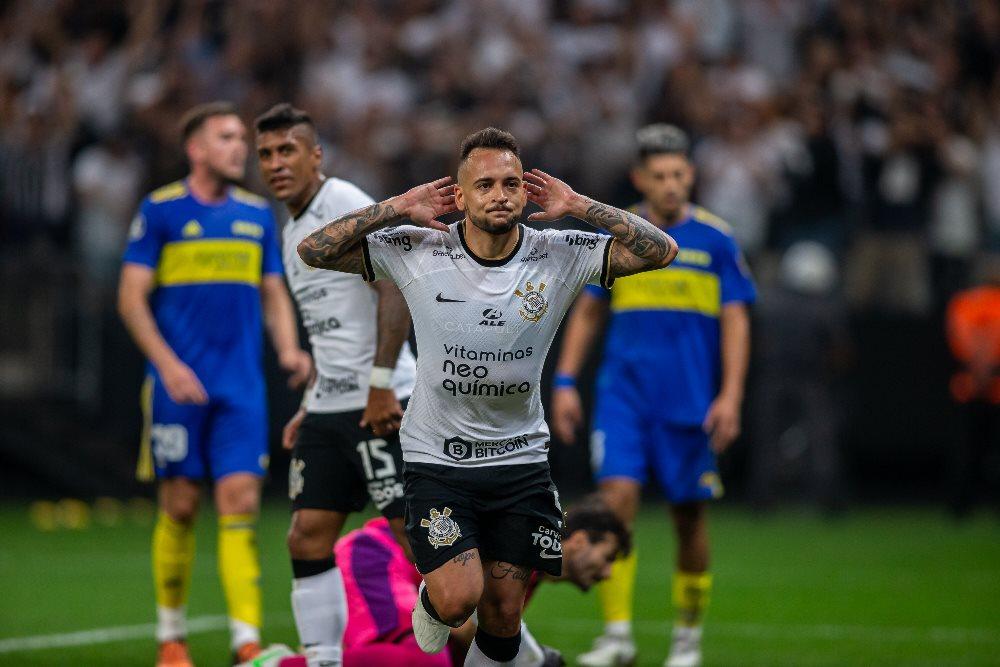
[647,246]
[337,245]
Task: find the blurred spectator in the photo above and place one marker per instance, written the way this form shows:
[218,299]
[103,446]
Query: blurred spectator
[872,127]
[35,144]
[973,326]
[801,347]
[107,180]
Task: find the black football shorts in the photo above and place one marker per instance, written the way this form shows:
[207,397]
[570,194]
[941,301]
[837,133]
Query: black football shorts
[337,465]
[510,513]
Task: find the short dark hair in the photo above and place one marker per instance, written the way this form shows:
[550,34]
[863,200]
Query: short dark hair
[490,137]
[593,515]
[194,118]
[283,116]
[660,138]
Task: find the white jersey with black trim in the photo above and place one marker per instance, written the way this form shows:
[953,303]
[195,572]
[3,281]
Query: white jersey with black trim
[339,311]
[483,329]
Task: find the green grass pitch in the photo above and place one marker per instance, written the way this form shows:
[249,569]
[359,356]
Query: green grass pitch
[876,587]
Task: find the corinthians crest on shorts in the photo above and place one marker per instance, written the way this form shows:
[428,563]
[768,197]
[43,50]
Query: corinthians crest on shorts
[442,529]
[533,304]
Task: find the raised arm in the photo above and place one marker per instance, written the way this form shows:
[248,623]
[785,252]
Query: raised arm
[641,245]
[337,245]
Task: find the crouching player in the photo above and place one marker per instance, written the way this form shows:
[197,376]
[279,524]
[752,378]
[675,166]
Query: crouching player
[381,586]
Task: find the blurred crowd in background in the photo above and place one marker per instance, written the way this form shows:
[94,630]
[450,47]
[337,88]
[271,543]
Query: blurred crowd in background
[869,128]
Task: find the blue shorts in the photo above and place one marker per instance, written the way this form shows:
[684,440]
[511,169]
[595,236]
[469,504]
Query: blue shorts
[627,443]
[226,436]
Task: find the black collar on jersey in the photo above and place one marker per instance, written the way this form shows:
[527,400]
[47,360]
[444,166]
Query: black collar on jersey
[305,209]
[491,262]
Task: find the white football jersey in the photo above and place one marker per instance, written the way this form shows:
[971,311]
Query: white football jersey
[483,329]
[339,311]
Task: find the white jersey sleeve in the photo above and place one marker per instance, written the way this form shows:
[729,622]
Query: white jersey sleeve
[584,256]
[397,252]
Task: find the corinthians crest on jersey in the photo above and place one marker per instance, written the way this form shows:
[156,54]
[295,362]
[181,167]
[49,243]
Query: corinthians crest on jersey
[533,303]
[442,531]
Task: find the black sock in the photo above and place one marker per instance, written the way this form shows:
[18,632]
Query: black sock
[501,649]
[310,568]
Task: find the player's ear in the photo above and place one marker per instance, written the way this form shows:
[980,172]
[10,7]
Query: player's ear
[692,173]
[577,538]
[635,175]
[193,148]
[317,154]
[459,198]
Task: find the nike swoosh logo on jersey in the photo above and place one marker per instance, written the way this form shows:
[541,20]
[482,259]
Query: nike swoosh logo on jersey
[441,299]
[546,554]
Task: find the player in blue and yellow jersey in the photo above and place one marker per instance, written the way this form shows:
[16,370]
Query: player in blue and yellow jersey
[201,279]
[670,388]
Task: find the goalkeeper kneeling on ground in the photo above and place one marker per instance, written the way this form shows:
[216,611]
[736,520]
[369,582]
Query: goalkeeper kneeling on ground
[381,586]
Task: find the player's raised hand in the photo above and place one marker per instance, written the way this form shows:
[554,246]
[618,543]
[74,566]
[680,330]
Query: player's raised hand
[553,195]
[182,384]
[425,203]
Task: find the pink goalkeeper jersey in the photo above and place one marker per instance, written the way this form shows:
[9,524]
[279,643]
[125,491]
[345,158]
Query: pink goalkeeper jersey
[381,585]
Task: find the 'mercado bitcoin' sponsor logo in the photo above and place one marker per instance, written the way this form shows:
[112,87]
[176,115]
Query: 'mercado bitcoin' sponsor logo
[461,449]
[533,303]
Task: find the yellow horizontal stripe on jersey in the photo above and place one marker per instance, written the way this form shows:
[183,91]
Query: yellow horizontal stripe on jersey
[668,289]
[209,261]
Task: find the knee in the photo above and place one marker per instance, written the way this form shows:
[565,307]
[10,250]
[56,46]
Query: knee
[622,499]
[307,538]
[181,507]
[454,607]
[239,499]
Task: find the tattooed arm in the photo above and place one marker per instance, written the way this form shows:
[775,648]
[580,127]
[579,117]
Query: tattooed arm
[640,246]
[337,245]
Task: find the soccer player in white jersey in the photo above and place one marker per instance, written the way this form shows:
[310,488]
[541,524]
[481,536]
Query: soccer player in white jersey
[344,438]
[486,295]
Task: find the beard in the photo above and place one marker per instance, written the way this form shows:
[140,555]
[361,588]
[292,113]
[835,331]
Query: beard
[496,229]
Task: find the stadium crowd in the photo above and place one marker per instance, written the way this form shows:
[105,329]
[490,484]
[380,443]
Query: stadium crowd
[870,126]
